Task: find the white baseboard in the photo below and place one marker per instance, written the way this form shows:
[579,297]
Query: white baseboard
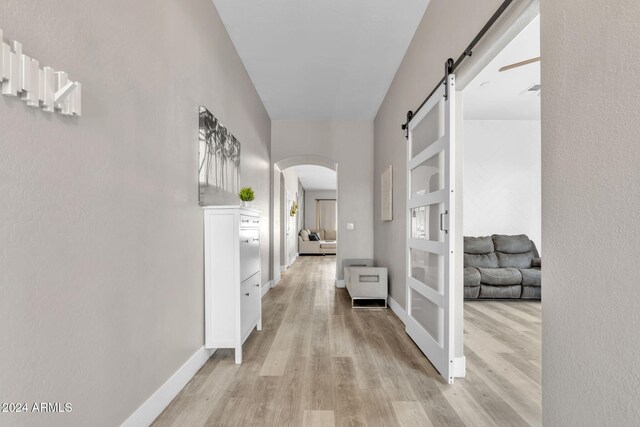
[292,260]
[160,399]
[270,284]
[283,268]
[340,283]
[266,287]
[276,280]
[398,310]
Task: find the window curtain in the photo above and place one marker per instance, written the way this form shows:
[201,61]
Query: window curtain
[326,215]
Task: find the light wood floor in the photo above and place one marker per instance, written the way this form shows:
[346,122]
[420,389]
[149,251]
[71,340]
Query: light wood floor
[317,362]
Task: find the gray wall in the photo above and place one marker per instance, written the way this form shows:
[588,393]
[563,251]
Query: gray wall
[284,217]
[101,266]
[590,220]
[420,70]
[276,231]
[301,210]
[310,208]
[295,223]
[350,144]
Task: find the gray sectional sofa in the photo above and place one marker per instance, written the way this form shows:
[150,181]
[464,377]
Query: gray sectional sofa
[501,266]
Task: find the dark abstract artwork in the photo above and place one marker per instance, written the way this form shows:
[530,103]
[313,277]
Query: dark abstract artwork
[219,156]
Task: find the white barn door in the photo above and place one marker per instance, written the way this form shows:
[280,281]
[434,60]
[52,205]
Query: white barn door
[431,212]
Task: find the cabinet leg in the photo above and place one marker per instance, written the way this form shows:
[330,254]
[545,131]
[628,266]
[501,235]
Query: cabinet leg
[238,355]
[259,327]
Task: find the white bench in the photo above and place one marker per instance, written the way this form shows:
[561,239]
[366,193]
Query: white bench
[364,281]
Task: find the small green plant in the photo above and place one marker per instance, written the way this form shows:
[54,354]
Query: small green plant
[246,194]
[294,209]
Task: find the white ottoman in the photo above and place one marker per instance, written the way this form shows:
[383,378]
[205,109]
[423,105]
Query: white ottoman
[364,281]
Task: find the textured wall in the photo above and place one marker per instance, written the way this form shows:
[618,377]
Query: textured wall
[421,69]
[101,264]
[590,213]
[502,182]
[350,144]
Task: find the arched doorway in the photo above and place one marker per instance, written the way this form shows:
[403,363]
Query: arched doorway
[285,230]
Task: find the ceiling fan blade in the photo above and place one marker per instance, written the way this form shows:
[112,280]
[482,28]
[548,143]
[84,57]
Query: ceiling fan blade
[519,64]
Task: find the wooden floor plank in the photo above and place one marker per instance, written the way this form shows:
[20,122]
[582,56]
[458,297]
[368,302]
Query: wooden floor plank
[318,419]
[411,414]
[318,362]
[523,312]
[517,325]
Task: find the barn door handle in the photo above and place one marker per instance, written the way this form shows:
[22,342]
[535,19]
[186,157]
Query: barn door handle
[442,221]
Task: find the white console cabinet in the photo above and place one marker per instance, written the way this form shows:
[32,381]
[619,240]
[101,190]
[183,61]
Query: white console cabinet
[233,297]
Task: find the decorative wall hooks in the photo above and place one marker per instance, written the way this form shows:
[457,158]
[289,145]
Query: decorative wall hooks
[21,75]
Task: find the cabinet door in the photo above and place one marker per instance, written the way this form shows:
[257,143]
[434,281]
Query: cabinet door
[249,253]
[250,294]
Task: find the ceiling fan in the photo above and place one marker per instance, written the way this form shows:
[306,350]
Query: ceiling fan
[519,64]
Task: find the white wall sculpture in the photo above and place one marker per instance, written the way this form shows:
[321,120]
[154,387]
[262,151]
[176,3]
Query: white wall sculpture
[21,75]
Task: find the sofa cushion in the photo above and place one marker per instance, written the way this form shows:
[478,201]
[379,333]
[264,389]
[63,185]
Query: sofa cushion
[500,276]
[314,237]
[320,233]
[531,292]
[478,245]
[471,292]
[531,276]
[471,276]
[330,234]
[328,245]
[506,260]
[490,291]
[518,244]
[304,234]
[481,260]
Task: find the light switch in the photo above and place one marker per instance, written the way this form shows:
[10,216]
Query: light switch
[350,226]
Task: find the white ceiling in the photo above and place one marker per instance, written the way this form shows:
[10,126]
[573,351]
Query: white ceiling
[321,59]
[316,177]
[501,99]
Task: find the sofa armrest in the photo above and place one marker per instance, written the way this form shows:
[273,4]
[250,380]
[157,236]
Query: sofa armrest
[536,262]
[308,247]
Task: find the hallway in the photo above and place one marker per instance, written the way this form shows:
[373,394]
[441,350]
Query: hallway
[317,362]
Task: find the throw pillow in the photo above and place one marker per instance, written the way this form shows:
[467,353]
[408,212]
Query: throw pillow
[305,235]
[314,237]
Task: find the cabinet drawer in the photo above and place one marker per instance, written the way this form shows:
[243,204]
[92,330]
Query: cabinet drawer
[249,253]
[249,221]
[250,295]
